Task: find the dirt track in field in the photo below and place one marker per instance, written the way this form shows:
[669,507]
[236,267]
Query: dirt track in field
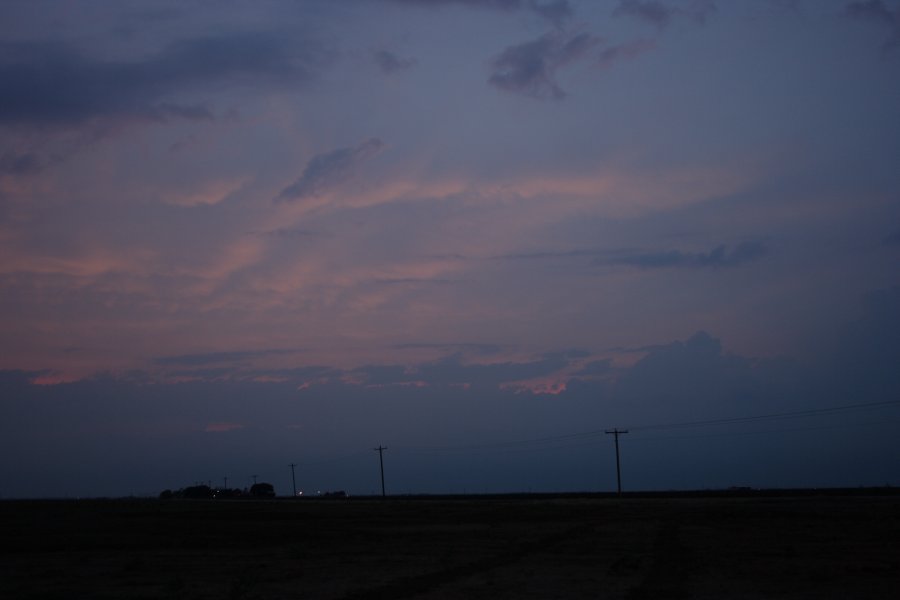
[630,548]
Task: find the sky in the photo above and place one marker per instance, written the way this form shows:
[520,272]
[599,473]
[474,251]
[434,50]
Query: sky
[480,233]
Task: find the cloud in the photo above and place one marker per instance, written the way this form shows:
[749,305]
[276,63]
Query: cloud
[389,62]
[19,164]
[625,51]
[212,358]
[452,371]
[661,15]
[544,255]
[222,427]
[718,257]
[52,83]
[555,11]
[893,239]
[878,12]
[324,171]
[530,68]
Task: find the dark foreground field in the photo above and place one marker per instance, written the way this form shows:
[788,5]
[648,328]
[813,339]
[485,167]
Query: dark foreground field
[790,547]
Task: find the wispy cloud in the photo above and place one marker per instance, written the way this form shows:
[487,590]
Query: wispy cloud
[530,68]
[15,163]
[718,257]
[662,14]
[330,169]
[390,63]
[47,83]
[610,55]
[214,358]
[222,427]
[877,11]
[555,11]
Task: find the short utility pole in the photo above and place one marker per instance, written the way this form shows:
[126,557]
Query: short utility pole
[616,433]
[380,449]
[293,479]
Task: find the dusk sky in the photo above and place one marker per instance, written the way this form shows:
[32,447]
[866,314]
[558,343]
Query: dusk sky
[238,235]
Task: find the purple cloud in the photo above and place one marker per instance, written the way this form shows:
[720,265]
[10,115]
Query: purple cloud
[555,11]
[661,14]
[329,169]
[389,62]
[530,68]
[625,51]
[718,257]
[54,83]
[877,11]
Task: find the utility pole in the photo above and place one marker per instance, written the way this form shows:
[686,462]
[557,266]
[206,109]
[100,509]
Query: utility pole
[616,433]
[380,451]
[226,483]
[293,480]
[254,479]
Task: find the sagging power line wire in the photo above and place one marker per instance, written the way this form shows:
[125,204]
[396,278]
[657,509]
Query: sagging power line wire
[585,435]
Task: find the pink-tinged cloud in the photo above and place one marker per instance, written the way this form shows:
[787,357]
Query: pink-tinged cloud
[222,427]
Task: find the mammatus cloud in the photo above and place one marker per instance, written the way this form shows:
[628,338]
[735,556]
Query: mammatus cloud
[717,257]
[52,83]
[879,12]
[389,62]
[329,169]
[530,68]
[662,14]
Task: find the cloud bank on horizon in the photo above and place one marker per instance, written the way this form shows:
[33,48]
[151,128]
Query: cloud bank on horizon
[469,203]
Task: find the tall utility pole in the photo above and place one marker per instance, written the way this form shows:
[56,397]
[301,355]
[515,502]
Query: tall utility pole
[293,480]
[254,479]
[616,433]
[380,451]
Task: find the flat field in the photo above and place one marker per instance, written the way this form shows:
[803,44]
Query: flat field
[502,547]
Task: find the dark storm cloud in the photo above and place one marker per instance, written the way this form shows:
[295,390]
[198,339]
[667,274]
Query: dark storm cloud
[530,68]
[661,14]
[879,12]
[326,170]
[389,62]
[55,83]
[717,257]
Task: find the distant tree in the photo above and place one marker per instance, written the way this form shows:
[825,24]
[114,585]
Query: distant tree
[197,492]
[262,490]
[166,495]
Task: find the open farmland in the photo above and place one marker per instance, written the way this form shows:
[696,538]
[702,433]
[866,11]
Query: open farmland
[519,547]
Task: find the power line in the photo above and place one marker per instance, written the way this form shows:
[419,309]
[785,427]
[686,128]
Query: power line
[768,417]
[513,444]
[616,433]
[380,449]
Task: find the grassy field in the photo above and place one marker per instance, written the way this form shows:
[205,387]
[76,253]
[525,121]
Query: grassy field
[530,547]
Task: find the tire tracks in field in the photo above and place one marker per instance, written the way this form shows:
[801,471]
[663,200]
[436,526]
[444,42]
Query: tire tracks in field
[411,586]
